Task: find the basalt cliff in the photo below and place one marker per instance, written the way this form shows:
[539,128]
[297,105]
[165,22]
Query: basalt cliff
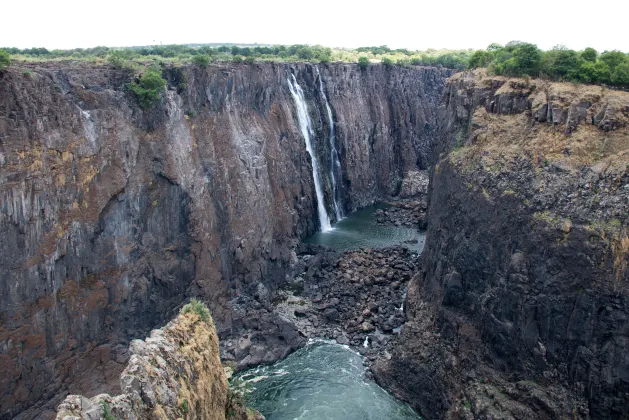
[520,308]
[111,215]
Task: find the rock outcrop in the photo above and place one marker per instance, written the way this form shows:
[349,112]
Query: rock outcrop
[111,215]
[175,373]
[521,308]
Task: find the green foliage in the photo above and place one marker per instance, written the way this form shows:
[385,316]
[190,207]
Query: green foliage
[613,59]
[363,62]
[107,415]
[185,407]
[620,76]
[516,58]
[198,308]
[201,60]
[526,60]
[404,62]
[479,58]
[149,89]
[116,59]
[589,54]
[5,60]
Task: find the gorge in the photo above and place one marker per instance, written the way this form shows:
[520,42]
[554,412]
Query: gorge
[113,216]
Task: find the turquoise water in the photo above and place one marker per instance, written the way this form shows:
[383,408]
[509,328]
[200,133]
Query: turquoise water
[359,230]
[322,381]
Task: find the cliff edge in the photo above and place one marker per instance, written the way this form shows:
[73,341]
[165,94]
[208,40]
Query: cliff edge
[521,309]
[175,373]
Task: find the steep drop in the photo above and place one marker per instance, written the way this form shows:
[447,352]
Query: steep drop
[335,163]
[306,131]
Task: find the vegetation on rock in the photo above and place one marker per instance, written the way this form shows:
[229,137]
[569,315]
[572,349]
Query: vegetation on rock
[560,64]
[5,60]
[199,308]
[148,90]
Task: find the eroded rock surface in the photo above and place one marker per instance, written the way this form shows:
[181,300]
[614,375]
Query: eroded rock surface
[111,215]
[520,308]
[174,373]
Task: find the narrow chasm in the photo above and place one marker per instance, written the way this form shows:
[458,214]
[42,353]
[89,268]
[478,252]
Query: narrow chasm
[329,241]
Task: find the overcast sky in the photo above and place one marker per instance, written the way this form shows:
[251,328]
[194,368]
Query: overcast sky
[335,23]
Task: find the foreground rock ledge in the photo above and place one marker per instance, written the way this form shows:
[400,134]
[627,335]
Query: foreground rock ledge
[175,373]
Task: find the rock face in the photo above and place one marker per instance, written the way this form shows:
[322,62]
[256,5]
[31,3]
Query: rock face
[521,307]
[111,215]
[175,373]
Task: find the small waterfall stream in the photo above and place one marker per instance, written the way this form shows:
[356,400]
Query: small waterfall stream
[335,163]
[306,130]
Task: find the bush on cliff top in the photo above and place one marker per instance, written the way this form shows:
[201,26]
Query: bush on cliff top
[197,307]
[522,59]
[5,60]
[149,89]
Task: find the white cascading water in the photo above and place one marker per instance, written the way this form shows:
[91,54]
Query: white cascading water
[335,163]
[306,131]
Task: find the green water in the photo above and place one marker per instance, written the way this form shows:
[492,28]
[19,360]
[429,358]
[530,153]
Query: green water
[322,381]
[359,230]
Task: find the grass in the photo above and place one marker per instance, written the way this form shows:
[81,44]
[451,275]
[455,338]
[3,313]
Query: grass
[197,307]
[107,415]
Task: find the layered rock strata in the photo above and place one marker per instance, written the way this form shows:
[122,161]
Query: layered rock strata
[112,215]
[520,309]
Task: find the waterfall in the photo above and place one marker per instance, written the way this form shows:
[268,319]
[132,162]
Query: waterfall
[306,131]
[335,163]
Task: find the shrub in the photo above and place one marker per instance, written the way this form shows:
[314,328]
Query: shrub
[149,89]
[387,61]
[107,415]
[363,62]
[589,54]
[201,60]
[479,58]
[237,59]
[5,60]
[116,59]
[416,61]
[620,76]
[250,60]
[198,308]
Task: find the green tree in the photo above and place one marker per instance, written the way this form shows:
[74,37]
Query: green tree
[601,72]
[589,54]
[363,62]
[528,59]
[149,89]
[5,60]
[561,62]
[116,58]
[613,58]
[620,76]
[237,59]
[201,60]
[479,58]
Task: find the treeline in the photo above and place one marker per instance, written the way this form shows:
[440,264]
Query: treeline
[521,59]
[514,59]
[283,52]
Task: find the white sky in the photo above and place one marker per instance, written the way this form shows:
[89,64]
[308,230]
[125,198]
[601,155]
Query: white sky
[335,23]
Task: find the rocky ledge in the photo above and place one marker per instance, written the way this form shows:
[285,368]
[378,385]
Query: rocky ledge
[175,373]
[520,309]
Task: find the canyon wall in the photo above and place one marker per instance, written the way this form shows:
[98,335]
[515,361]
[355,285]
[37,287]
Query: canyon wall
[521,307]
[111,215]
